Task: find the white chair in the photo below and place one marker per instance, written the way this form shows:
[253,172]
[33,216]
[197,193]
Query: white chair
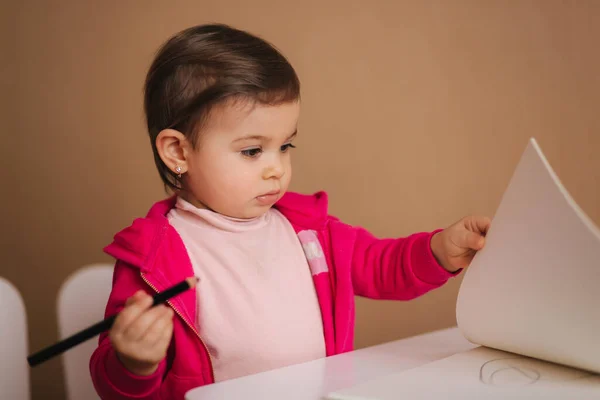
[14,371]
[81,302]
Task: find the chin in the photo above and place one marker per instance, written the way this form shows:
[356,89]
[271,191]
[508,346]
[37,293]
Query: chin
[257,211]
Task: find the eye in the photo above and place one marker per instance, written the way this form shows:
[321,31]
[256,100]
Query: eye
[251,153]
[287,146]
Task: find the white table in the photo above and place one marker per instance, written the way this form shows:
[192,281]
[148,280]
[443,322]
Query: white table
[315,379]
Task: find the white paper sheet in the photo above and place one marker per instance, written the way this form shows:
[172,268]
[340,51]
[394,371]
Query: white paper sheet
[533,290]
[535,287]
[481,373]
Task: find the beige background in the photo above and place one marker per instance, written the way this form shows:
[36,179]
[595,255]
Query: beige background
[415,114]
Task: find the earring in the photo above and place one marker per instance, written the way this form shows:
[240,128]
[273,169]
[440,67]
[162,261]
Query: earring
[178,170]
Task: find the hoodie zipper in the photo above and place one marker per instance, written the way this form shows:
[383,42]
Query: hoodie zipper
[188,324]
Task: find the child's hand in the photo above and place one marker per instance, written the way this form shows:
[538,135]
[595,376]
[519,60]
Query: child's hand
[455,246]
[141,335]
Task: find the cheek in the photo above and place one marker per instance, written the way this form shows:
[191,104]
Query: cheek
[211,169]
[236,174]
[288,171]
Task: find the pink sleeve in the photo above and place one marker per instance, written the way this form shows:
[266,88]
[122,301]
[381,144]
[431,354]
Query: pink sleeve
[395,269]
[111,379]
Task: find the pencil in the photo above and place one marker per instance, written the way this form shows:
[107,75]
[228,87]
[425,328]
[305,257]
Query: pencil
[104,325]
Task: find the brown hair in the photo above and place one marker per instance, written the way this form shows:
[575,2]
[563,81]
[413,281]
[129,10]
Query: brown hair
[204,66]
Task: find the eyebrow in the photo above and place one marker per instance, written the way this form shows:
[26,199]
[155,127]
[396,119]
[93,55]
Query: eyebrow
[261,137]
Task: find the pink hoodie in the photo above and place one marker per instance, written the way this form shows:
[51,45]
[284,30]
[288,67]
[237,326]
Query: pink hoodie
[344,261]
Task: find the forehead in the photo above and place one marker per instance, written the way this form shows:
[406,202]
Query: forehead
[241,118]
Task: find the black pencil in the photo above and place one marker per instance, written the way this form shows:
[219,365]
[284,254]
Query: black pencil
[106,324]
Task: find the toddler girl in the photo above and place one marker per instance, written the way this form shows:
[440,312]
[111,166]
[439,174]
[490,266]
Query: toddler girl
[277,273]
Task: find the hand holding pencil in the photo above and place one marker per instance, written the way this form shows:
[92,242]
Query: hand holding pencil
[141,334]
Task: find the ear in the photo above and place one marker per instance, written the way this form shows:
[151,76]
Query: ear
[173,148]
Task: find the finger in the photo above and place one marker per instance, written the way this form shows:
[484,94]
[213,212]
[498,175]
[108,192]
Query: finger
[167,333]
[135,297]
[131,312]
[480,224]
[473,240]
[136,330]
[156,330]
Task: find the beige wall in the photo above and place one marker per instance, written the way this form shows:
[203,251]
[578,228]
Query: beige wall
[415,113]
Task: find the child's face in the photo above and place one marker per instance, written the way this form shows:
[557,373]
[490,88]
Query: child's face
[242,163]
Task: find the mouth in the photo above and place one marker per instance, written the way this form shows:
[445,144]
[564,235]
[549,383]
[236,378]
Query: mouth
[271,193]
[269,197]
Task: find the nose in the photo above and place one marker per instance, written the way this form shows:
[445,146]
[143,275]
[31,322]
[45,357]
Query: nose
[274,168]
